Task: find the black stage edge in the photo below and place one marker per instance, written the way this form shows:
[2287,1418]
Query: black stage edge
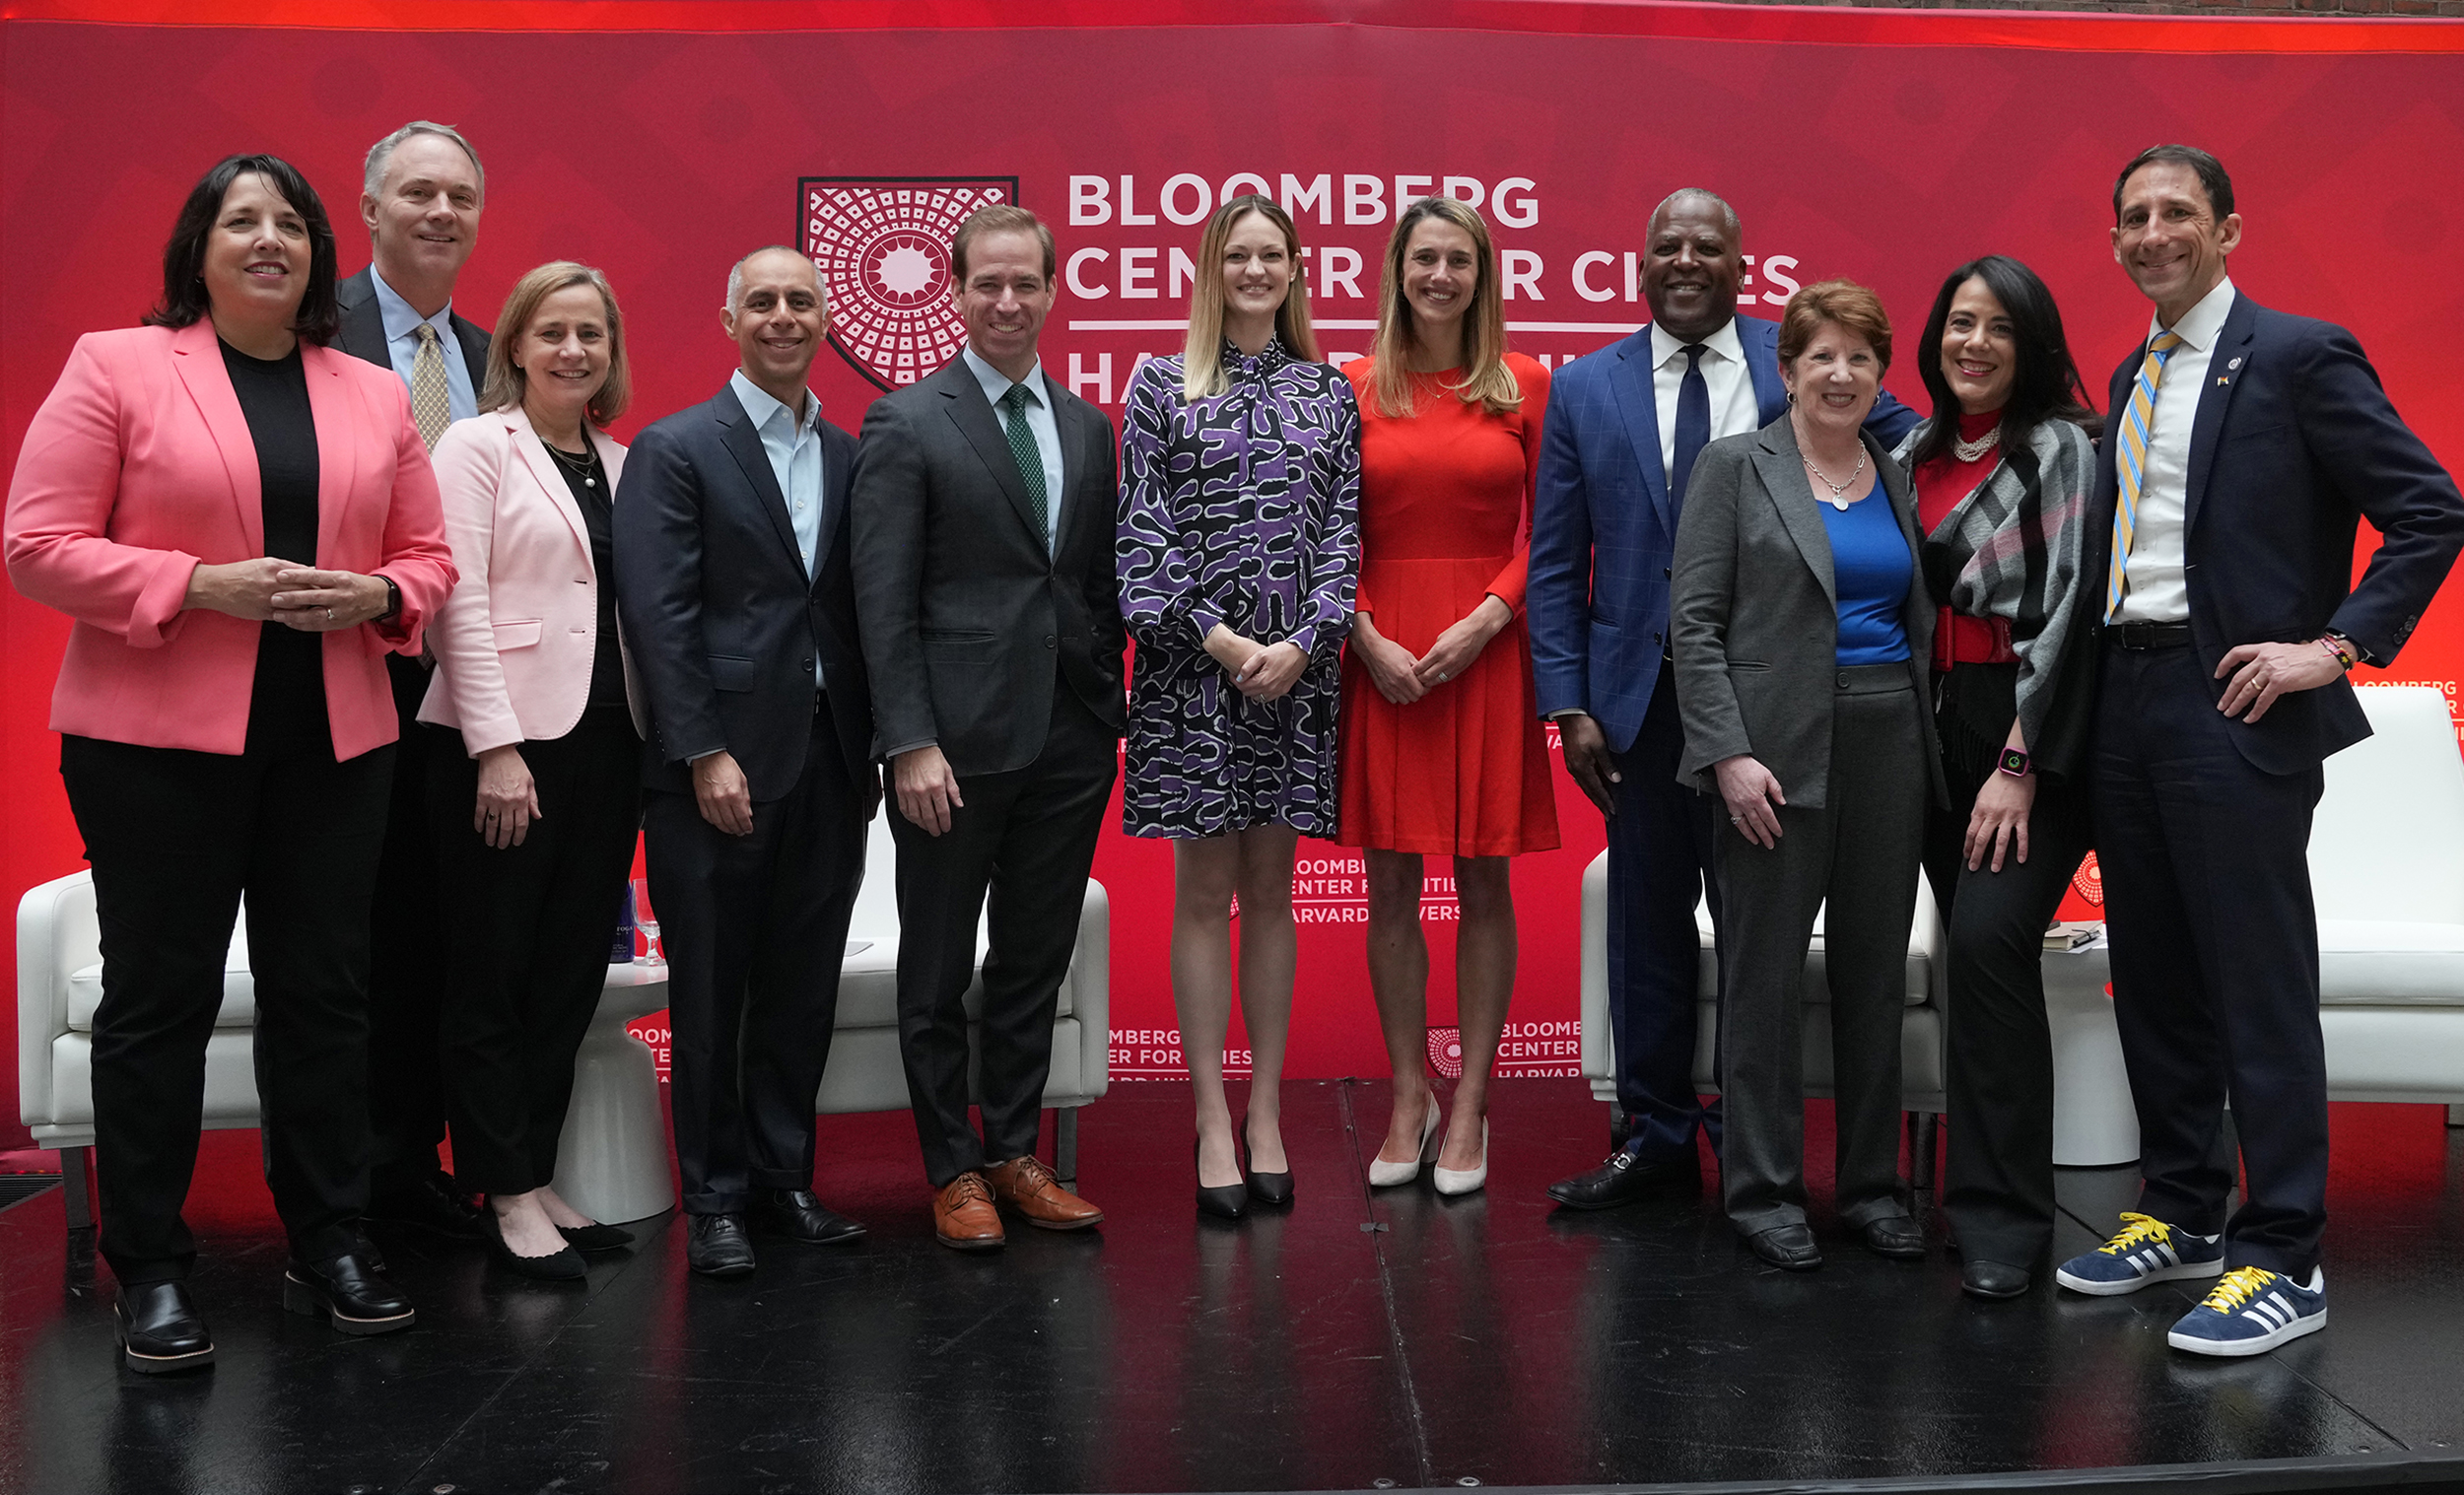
[1362,1341]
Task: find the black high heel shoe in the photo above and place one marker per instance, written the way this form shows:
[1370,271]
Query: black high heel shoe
[1225,1202]
[1273,1188]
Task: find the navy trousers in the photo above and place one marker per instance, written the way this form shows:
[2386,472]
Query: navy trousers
[2206,881]
[1658,868]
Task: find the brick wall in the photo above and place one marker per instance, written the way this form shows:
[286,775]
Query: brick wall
[2269,8]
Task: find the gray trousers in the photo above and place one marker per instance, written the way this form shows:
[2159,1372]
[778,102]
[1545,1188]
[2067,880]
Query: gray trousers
[1860,851]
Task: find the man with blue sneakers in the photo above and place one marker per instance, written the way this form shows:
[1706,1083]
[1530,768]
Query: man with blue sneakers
[1624,428]
[2243,447]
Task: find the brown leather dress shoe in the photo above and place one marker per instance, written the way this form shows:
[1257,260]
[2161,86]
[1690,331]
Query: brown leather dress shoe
[962,1216]
[1026,1186]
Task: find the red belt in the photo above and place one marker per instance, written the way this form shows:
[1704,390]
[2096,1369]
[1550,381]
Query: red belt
[1961,640]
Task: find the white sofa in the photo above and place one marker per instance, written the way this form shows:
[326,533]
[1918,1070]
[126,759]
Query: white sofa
[1921,1035]
[615,1158]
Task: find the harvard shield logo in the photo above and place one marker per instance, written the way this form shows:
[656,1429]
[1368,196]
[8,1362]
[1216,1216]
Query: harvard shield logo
[883,246]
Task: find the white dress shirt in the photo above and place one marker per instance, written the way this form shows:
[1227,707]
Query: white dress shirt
[1734,409]
[1041,424]
[2153,591]
[461,397]
[794,448]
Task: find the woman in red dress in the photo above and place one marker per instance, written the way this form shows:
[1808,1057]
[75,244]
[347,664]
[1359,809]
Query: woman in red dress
[1442,749]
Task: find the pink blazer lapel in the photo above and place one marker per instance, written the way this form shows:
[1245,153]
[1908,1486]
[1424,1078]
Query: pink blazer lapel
[199,358]
[550,480]
[339,430]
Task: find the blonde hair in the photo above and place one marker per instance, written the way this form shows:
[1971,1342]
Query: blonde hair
[1202,361]
[1486,377]
[506,383]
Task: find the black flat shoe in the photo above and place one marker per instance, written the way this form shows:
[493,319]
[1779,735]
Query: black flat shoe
[715,1246]
[796,1214]
[1992,1280]
[563,1264]
[1272,1188]
[159,1330]
[347,1293]
[1790,1247]
[1896,1237]
[434,1204]
[596,1236]
[1225,1202]
[1625,1177]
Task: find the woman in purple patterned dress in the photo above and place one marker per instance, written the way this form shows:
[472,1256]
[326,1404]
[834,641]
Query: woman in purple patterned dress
[1240,467]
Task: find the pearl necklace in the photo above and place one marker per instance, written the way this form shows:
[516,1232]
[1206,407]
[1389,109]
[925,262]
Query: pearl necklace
[1838,498]
[1975,452]
[586,466]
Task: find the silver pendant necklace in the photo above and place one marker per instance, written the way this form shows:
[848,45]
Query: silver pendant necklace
[1839,498]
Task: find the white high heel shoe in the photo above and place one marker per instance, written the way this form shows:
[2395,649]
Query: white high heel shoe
[1385,1175]
[1459,1180]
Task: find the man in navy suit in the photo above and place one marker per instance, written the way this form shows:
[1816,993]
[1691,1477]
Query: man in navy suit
[2244,447]
[732,579]
[421,198]
[1624,426]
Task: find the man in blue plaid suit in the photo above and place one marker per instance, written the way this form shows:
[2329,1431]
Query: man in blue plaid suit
[1624,428]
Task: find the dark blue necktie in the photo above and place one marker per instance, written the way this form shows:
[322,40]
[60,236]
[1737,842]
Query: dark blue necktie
[1693,422]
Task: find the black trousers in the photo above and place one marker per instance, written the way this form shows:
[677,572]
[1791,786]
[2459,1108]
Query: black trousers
[1859,850]
[755,929]
[2207,884]
[1998,1185]
[176,838]
[1024,840]
[528,936]
[405,1086]
[1659,868]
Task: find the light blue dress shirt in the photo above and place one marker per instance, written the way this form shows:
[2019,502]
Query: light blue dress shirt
[461,396]
[1041,424]
[794,448]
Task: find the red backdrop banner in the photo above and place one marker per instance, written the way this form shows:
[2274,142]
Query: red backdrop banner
[1883,147]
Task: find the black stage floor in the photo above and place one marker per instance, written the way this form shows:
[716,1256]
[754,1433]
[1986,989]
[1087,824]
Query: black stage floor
[1396,1340]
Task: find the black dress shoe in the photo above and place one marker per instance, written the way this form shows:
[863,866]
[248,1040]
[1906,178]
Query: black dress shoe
[1993,1280]
[796,1214]
[562,1265]
[432,1203]
[159,1330]
[1789,1246]
[1896,1237]
[1275,1189]
[348,1294]
[369,1250]
[1625,1178]
[715,1246]
[596,1236]
[1224,1201]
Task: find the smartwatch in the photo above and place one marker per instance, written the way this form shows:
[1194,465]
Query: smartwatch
[2014,763]
[393,600]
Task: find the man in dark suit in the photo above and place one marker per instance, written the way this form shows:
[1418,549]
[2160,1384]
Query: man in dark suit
[1624,426]
[2244,447]
[733,581]
[421,199]
[984,500]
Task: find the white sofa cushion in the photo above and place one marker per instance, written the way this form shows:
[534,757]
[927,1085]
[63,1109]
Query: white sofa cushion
[238,1009]
[2371,963]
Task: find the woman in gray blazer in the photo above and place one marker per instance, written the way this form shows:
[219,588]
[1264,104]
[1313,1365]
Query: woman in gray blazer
[1802,631]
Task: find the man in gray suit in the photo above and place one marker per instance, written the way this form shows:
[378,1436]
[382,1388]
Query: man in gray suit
[985,591]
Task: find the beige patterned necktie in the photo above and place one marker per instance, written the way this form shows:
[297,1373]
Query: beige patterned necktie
[431,406]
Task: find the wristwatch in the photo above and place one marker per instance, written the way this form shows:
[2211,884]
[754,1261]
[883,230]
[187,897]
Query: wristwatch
[2014,763]
[393,600]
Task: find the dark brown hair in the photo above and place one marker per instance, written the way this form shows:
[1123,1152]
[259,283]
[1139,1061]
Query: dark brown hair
[184,302]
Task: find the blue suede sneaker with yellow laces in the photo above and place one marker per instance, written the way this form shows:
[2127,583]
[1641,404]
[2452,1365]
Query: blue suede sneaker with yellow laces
[2144,1249]
[2251,1312]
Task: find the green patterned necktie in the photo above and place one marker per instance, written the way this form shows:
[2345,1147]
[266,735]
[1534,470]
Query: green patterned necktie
[1030,460]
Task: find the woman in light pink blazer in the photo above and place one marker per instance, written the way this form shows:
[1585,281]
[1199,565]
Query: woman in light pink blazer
[536,810]
[243,523]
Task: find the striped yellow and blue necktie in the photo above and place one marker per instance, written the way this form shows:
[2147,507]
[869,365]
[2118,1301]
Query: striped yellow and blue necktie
[2138,425]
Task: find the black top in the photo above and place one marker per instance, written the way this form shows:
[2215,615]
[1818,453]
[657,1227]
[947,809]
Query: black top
[288,703]
[586,476]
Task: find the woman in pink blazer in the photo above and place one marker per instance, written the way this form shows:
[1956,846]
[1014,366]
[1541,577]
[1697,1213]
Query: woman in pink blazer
[536,810]
[243,523]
